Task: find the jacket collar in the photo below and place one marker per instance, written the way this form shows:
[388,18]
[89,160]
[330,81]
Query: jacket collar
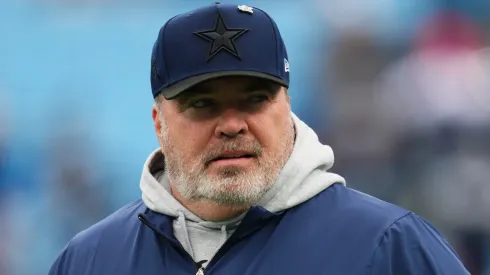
[255,218]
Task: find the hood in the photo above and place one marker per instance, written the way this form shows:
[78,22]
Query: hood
[303,176]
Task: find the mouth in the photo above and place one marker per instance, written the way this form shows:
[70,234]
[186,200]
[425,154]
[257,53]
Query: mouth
[233,156]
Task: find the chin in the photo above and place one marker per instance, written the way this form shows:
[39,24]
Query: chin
[235,190]
[227,172]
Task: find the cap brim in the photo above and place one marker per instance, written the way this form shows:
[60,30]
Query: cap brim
[178,88]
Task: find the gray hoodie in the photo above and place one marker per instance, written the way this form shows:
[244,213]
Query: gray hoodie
[303,176]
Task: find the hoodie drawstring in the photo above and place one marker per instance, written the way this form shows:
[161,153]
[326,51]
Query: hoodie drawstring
[224,235]
[187,241]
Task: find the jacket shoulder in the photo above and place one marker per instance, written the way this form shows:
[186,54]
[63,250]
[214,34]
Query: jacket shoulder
[412,245]
[358,207]
[122,220]
[83,245]
[394,240]
[353,220]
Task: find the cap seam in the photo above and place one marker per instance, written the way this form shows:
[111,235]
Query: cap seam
[275,39]
[164,48]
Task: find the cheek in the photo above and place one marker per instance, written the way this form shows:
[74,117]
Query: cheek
[271,131]
[189,141]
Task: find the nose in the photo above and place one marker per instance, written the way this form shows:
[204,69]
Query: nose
[231,123]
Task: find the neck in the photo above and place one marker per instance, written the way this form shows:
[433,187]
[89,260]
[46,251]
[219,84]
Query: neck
[208,210]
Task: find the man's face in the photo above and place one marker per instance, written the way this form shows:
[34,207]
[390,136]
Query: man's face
[226,140]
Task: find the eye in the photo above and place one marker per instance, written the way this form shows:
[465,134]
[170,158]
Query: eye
[258,98]
[201,103]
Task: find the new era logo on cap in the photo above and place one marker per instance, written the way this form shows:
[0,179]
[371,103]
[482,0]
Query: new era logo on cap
[216,41]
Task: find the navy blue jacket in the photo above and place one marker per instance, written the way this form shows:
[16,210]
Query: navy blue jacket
[338,232]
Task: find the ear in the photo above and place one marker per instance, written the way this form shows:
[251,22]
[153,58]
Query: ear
[157,123]
[286,94]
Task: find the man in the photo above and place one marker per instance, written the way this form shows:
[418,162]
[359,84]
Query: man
[239,184]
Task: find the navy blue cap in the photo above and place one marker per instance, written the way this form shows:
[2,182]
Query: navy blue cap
[215,41]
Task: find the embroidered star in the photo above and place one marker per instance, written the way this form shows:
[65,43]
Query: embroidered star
[221,38]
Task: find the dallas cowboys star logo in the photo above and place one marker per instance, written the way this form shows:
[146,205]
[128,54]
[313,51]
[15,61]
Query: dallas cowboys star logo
[221,38]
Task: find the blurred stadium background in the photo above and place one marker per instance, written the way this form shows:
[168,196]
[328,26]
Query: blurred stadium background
[400,90]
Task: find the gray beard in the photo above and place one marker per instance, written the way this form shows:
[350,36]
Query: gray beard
[231,186]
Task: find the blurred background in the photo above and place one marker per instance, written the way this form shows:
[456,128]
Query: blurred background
[399,89]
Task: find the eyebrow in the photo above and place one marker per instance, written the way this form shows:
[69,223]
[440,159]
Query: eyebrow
[194,91]
[261,84]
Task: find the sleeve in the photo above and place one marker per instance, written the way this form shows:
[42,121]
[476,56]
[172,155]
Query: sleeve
[412,246]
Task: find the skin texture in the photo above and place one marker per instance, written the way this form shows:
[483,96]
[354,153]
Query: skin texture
[232,116]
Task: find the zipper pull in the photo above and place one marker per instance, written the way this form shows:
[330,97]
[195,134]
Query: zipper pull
[200,269]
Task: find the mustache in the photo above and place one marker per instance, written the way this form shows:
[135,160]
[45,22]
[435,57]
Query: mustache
[249,146]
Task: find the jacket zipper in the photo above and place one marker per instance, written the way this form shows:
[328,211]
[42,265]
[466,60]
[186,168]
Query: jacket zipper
[200,271]
[198,266]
